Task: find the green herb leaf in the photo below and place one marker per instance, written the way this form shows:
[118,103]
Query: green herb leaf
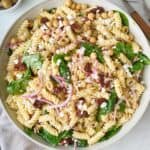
[51,11]
[122,106]
[140,63]
[58,57]
[64,71]
[112,101]
[124,48]
[114,130]
[19,86]
[137,66]
[89,49]
[124,19]
[33,61]
[99,55]
[28,131]
[101,111]
[45,112]
[49,138]
[143,58]
[52,139]
[10,51]
[65,134]
[82,143]
[109,106]
[63,66]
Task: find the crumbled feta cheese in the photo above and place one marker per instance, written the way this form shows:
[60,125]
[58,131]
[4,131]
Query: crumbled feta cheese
[88,80]
[44,27]
[41,46]
[18,75]
[84,107]
[58,62]
[81,51]
[60,24]
[70,17]
[103,105]
[16,61]
[95,76]
[79,106]
[61,114]
[103,90]
[51,40]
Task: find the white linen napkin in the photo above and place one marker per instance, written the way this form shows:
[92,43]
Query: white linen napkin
[11,139]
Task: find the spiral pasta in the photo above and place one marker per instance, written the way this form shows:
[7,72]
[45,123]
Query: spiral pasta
[75,74]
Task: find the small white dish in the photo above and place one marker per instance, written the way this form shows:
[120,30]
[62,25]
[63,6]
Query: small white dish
[11,8]
[147,3]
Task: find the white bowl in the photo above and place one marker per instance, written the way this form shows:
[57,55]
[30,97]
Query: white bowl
[11,8]
[134,28]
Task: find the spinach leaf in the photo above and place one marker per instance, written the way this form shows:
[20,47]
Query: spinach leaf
[137,66]
[114,130]
[45,112]
[52,139]
[99,55]
[89,48]
[140,63]
[82,143]
[143,58]
[63,66]
[122,106]
[46,136]
[64,71]
[112,101]
[65,134]
[33,61]
[52,10]
[109,106]
[19,86]
[124,19]
[10,51]
[124,48]
[101,111]
[28,131]
[58,57]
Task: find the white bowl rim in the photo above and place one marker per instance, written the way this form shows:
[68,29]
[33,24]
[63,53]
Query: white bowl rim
[116,137]
[11,8]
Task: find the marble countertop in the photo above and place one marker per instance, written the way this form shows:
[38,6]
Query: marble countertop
[137,139]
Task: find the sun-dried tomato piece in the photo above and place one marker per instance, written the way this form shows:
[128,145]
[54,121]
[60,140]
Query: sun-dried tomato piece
[38,104]
[88,68]
[97,10]
[102,80]
[20,66]
[76,27]
[44,20]
[99,101]
[59,89]
[67,141]
[81,113]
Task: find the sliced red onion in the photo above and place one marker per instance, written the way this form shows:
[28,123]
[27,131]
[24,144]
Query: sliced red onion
[34,97]
[60,80]
[40,76]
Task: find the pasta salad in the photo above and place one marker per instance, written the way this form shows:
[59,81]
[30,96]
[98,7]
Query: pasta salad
[75,74]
